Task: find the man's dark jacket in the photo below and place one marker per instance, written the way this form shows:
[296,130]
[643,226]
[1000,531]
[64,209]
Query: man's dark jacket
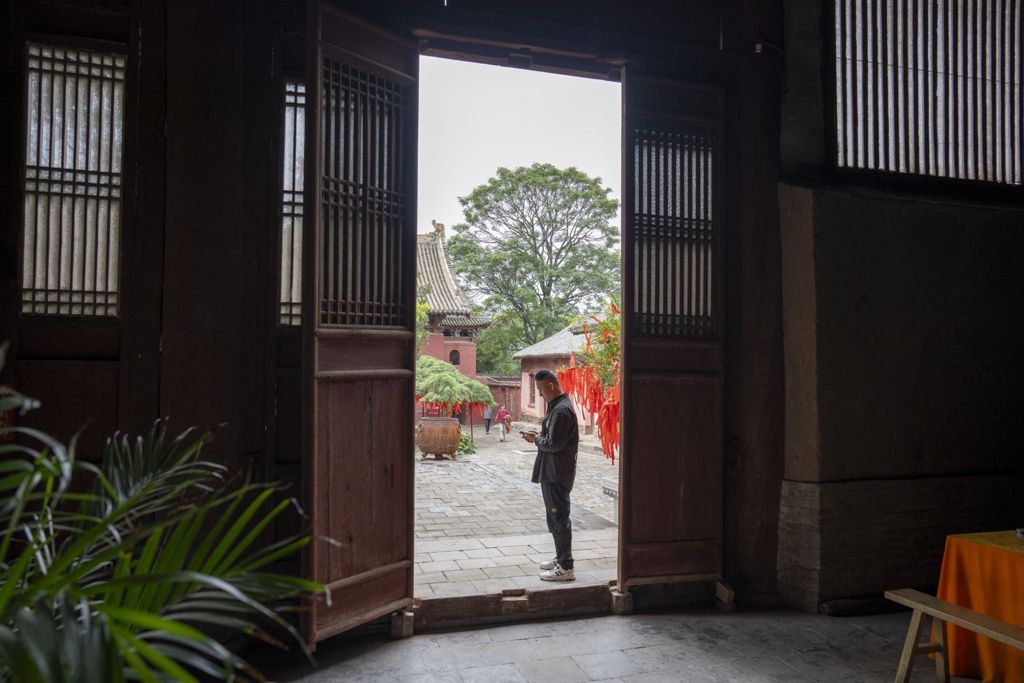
[557,444]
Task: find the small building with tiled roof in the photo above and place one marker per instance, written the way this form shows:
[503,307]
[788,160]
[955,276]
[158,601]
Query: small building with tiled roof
[453,327]
[553,352]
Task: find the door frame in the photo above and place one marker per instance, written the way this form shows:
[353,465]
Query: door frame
[538,57]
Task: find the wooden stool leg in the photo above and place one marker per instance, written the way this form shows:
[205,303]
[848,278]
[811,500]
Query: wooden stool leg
[942,656]
[909,646]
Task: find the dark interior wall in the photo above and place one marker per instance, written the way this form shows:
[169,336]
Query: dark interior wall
[920,314]
[219,191]
[204,295]
[753,358]
[902,314]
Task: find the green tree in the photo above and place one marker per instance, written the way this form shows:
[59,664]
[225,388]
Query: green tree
[422,318]
[495,345]
[539,242]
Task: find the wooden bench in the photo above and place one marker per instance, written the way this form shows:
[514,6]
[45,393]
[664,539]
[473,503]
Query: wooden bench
[944,613]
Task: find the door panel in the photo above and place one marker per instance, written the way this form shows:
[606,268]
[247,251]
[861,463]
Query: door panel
[671,469]
[358,317]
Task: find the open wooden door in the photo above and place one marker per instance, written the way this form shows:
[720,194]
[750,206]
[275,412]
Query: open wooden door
[358,318]
[671,467]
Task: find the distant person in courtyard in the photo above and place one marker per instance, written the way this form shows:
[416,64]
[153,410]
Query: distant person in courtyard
[502,422]
[555,471]
[488,416]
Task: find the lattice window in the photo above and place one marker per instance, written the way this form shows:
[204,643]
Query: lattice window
[72,223]
[294,141]
[930,87]
[673,229]
[363,198]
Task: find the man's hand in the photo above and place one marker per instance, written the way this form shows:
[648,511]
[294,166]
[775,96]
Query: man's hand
[529,436]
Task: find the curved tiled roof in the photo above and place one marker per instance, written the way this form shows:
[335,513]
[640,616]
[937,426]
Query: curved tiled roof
[434,276]
[454,320]
[434,279]
[561,343]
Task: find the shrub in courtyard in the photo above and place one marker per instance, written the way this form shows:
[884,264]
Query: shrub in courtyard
[441,385]
[466,445]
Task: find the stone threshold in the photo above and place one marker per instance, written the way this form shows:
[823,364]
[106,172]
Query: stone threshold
[515,604]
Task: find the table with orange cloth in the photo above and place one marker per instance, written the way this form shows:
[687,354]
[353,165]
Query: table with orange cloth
[984,572]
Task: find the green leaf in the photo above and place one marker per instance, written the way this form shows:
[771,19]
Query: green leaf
[151,657]
[223,545]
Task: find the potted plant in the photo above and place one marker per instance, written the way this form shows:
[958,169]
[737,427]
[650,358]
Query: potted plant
[137,568]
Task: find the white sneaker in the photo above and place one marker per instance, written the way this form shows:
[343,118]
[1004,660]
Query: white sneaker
[558,574]
[548,564]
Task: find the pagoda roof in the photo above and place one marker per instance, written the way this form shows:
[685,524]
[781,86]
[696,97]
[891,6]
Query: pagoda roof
[434,279]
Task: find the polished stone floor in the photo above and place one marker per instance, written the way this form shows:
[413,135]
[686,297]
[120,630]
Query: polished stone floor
[700,646]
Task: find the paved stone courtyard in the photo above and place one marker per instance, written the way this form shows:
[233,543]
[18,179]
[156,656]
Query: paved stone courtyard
[480,524]
[693,647]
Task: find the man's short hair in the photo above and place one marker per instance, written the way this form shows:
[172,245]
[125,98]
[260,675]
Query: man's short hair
[545,375]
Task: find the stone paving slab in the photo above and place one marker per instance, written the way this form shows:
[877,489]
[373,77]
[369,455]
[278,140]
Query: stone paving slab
[480,525]
[516,456]
[698,647]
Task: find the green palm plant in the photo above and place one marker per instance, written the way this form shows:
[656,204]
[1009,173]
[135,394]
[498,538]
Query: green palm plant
[138,568]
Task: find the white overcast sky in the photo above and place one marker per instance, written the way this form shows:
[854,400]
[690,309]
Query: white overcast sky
[476,117]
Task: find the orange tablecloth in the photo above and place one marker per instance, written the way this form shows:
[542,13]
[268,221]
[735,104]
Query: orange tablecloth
[985,572]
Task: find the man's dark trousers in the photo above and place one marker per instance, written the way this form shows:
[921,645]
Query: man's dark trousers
[556,500]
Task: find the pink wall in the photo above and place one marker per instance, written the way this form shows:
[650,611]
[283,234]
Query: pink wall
[536,411]
[439,346]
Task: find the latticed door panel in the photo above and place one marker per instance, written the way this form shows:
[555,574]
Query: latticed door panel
[673,229]
[358,282]
[671,471]
[75,107]
[363,196]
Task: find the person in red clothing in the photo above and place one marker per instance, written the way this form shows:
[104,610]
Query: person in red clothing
[502,420]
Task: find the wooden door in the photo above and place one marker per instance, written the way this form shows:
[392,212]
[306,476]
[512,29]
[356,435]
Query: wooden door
[81,243]
[358,318]
[671,471]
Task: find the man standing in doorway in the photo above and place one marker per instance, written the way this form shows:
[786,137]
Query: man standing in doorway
[555,470]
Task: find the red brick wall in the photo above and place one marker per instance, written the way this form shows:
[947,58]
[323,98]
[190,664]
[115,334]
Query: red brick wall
[439,346]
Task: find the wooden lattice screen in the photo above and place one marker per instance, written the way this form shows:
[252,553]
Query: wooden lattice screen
[72,204]
[293,145]
[363,201]
[930,87]
[674,229]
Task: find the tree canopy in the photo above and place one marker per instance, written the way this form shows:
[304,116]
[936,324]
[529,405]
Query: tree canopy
[496,344]
[441,384]
[539,243]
